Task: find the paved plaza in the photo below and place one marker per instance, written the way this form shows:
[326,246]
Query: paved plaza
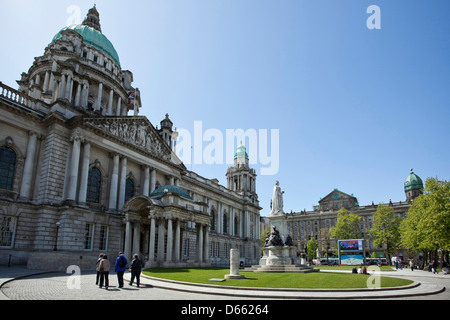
[18,283]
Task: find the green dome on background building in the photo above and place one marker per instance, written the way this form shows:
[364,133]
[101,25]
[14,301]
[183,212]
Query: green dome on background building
[173,189]
[241,152]
[413,182]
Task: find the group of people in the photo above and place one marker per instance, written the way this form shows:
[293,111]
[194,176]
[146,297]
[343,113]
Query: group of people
[103,266]
[360,270]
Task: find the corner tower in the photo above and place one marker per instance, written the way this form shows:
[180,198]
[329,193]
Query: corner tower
[240,177]
[413,187]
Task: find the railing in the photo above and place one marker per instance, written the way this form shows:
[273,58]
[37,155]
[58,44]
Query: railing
[18,98]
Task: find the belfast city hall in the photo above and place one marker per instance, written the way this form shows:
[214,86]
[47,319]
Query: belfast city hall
[82,173]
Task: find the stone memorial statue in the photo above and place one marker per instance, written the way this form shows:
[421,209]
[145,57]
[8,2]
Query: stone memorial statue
[277,201]
[274,239]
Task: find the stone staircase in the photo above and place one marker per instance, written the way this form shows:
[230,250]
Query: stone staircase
[280,269]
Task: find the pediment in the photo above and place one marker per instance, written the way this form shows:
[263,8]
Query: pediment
[136,132]
[337,195]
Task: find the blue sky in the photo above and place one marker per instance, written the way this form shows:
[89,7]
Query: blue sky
[355,108]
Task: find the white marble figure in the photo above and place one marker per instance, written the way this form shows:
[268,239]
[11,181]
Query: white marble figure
[277,201]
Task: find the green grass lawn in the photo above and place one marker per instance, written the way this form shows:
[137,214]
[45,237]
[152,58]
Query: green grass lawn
[316,280]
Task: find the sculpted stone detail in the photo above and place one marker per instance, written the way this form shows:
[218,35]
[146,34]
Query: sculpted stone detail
[137,132]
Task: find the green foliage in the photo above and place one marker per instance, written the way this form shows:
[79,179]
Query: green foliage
[347,226]
[427,226]
[386,229]
[312,248]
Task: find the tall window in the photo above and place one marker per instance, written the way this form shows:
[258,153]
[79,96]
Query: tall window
[129,189]
[213,221]
[89,236]
[236,226]
[104,230]
[94,186]
[225,223]
[7,168]
[6,231]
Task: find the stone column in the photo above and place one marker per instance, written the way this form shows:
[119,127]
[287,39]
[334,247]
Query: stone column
[25,189]
[68,88]
[74,166]
[146,187]
[169,239]
[200,243]
[206,245]
[152,180]
[136,238]
[62,87]
[128,237]
[99,97]
[151,249]
[114,183]
[122,183]
[177,241]
[85,96]
[110,103]
[78,95]
[161,233]
[46,82]
[82,193]
[234,265]
[119,106]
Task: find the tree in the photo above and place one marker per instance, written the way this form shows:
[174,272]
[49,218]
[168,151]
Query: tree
[312,248]
[347,226]
[427,226]
[386,229]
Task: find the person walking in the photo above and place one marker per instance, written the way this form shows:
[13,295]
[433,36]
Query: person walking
[135,269]
[120,267]
[103,268]
[411,264]
[97,268]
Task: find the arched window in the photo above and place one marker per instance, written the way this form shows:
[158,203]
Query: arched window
[7,168]
[225,223]
[236,226]
[129,189]
[213,221]
[94,186]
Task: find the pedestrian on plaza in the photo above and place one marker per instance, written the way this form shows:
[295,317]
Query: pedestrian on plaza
[396,265]
[135,269]
[104,267]
[120,267]
[97,268]
[411,264]
[434,267]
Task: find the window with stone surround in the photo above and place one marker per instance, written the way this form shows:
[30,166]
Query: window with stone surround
[94,185]
[104,232]
[89,236]
[7,226]
[129,189]
[7,168]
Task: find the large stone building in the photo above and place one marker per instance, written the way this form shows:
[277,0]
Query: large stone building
[82,173]
[306,225]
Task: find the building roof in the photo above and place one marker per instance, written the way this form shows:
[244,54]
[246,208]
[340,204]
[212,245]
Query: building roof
[173,189]
[241,152]
[413,182]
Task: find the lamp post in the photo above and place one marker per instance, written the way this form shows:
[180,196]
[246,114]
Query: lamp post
[58,224]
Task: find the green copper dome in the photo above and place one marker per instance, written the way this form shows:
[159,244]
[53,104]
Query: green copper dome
[173,189]
[93,38]
[413,182]
[241,152]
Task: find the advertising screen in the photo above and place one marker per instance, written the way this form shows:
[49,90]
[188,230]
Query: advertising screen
[351,246]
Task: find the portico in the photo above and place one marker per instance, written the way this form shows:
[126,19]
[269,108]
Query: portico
[166,234]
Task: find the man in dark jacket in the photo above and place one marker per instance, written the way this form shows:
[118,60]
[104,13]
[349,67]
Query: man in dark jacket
[120,267]
[135,269]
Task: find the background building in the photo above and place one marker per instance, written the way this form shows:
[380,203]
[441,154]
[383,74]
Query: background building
[306,225]
[82,173]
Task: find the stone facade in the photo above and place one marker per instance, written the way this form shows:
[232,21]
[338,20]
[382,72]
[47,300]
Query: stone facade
[306,225]
[80,176]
